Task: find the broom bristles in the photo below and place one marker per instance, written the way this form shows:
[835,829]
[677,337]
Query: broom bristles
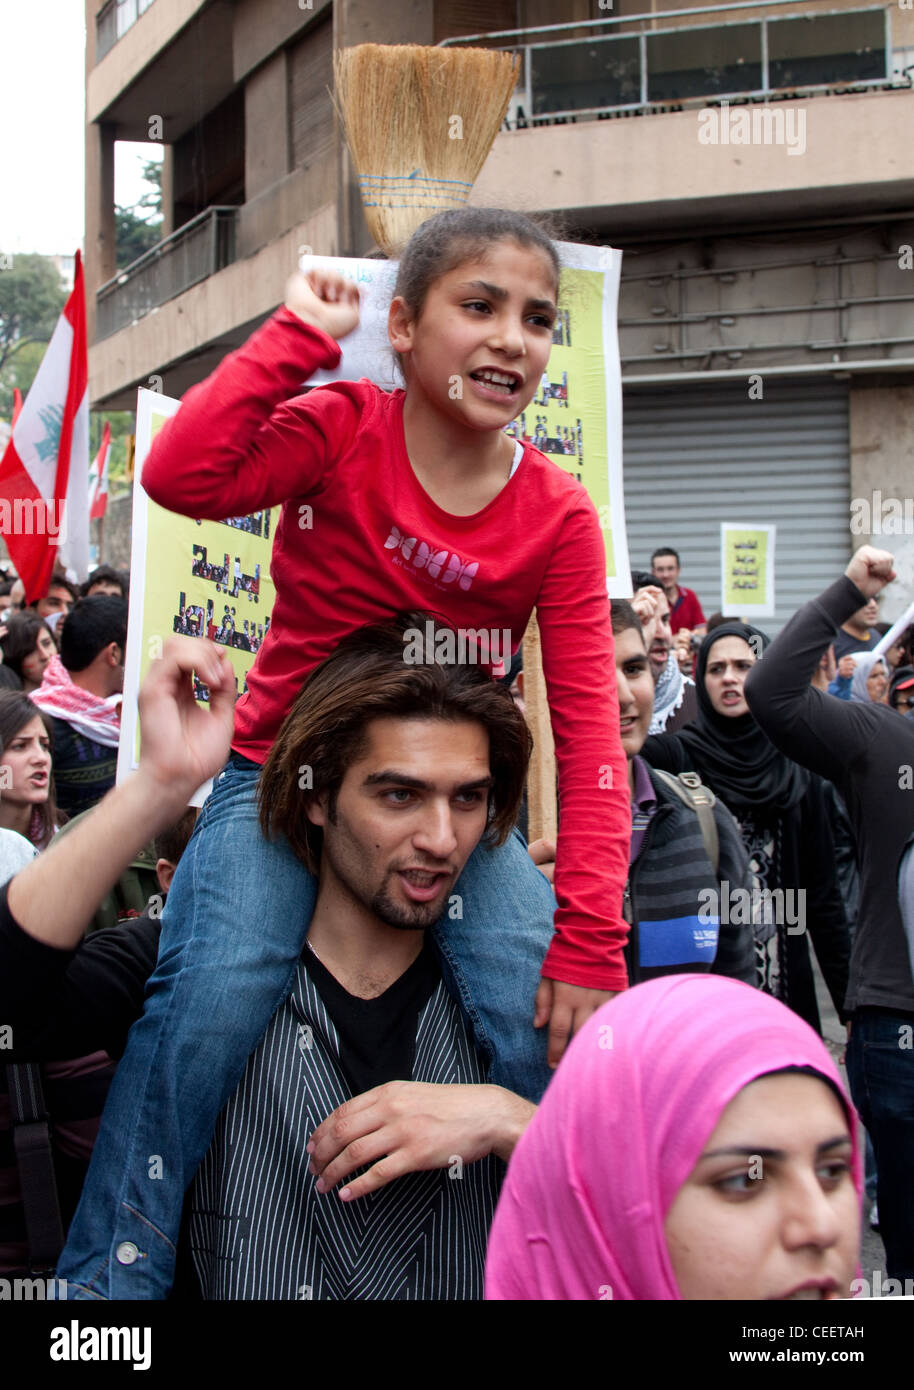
[419,123]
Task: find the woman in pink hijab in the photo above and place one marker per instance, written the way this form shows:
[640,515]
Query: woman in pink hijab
[696,1142]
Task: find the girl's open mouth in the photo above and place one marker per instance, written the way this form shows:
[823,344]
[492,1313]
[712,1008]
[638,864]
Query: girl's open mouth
[497,383]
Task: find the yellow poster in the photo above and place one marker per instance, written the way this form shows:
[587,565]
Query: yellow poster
[747,569]
[567,418]
[209,579]
[200,579]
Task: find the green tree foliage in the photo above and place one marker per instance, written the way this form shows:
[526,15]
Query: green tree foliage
[137,229]
[123,424]
[19,371]
[31,298]
[132,236]
[152,201]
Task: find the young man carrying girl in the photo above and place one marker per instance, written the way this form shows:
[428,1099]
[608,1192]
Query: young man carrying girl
[417,500]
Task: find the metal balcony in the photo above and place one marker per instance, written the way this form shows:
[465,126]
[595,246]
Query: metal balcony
[610,73]
[201,247]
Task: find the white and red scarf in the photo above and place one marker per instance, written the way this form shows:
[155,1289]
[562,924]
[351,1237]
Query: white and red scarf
[96,718]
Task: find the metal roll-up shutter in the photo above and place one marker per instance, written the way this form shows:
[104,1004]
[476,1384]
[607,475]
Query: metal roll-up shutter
[698,455]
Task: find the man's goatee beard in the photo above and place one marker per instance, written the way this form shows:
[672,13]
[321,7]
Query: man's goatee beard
[416,917]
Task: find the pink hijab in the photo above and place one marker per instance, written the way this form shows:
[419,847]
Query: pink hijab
[621,1127]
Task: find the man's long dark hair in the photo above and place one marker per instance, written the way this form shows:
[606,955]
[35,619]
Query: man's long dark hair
[369,677]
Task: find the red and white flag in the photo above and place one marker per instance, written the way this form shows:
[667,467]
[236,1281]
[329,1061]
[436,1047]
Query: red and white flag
[44,475]
[98,477]
[17,404]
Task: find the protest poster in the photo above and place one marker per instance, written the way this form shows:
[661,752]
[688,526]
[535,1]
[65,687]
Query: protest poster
[198,578]
[747,570]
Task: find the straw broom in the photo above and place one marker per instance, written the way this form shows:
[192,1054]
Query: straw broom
[419,123]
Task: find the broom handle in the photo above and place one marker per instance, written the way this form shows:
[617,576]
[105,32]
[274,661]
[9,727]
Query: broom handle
[542,809]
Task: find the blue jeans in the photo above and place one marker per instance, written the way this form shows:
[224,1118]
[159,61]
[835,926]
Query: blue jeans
[232,931]
[880,1069]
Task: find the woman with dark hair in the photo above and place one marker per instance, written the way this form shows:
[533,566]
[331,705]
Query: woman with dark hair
[28,645]
[781,812]
[27,803]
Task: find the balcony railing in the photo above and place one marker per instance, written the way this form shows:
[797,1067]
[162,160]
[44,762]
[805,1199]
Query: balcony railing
[113,20]
[198,249]
[608,72]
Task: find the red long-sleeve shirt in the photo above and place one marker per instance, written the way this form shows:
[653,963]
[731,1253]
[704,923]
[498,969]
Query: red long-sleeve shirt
[359,538]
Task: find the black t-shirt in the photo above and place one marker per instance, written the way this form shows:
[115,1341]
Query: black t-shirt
[377,1036]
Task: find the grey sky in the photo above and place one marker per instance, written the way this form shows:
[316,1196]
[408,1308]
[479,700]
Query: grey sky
[42,123]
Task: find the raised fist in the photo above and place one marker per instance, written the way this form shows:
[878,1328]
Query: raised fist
[870,569]
[325,300]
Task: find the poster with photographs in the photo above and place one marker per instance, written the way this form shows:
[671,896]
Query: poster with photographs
[747,570]
[199,579]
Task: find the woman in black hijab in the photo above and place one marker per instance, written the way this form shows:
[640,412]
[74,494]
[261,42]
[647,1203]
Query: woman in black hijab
[781,812]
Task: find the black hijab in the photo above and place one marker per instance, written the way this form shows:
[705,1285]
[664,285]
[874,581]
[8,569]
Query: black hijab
[736,759]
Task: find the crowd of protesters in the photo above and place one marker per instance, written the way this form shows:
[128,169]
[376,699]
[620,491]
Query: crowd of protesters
[702,1025]
[756,822]
[369,1043]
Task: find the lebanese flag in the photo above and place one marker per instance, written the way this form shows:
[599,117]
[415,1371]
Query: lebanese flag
[98,477]
[44,475]
[17,404]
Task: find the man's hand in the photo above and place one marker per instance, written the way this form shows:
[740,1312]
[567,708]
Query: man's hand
[411,1127]
[182,744]
[646,604]
[871,569]
[542,852]
[566,1008]
[682,643]
[846,667]
[324,299]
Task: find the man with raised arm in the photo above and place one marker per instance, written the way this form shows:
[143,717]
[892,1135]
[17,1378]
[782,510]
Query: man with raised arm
[867,751]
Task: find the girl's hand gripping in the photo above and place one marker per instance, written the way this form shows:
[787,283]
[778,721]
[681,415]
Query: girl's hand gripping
[566,1008]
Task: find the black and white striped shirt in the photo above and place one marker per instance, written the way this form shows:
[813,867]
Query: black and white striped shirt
[258,1229]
